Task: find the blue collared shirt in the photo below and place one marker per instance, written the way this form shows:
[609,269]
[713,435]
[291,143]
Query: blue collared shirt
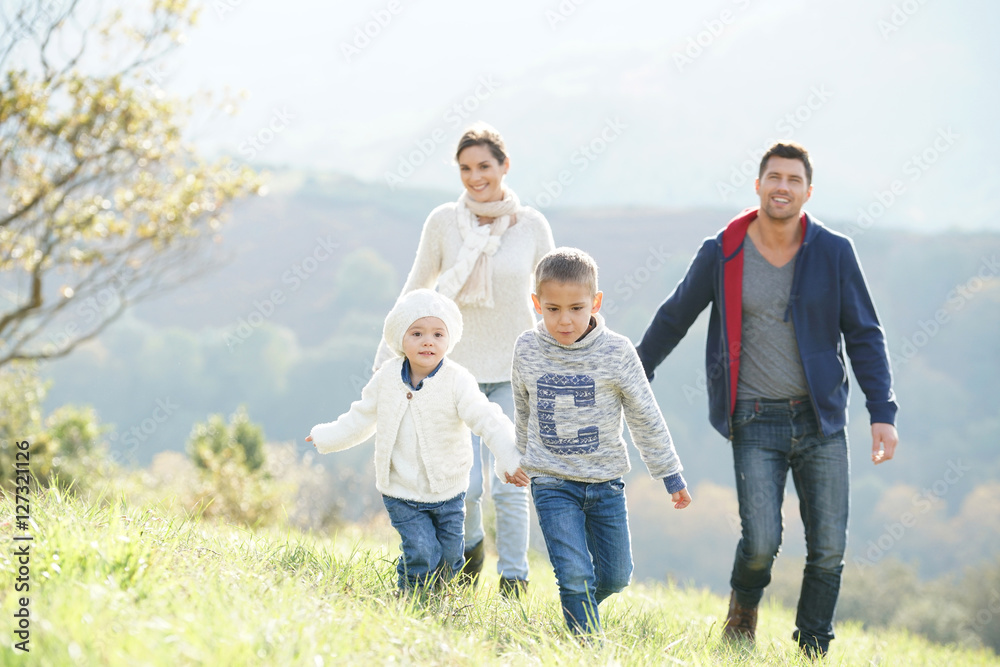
[405,373]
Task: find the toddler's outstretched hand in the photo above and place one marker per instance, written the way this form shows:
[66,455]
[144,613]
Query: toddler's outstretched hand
[519,478]
[681,499]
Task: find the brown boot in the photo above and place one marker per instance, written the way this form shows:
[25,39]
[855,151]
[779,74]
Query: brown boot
[741,623]
[513,588]
[474,558]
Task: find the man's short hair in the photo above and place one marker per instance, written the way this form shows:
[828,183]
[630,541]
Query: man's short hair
[567,265]
[790,150]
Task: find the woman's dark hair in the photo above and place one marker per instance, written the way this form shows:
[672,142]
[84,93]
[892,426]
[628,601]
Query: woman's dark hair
[482,134]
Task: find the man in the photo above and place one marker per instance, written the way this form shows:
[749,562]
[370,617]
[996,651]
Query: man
[788,297]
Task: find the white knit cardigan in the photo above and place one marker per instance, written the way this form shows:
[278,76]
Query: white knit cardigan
[489,333]
[444,410]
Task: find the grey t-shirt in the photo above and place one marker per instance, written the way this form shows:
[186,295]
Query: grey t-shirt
[770,365]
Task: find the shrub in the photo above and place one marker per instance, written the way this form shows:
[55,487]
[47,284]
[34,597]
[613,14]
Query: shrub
[66,446]
[233,485]
[214,443]
[80,459]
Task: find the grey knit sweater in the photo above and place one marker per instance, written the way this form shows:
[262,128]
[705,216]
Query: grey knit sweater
[569,401]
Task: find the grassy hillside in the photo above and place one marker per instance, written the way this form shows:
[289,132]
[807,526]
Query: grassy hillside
[113,584]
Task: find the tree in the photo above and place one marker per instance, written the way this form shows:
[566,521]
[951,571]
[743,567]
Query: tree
[214,442]
[102,203]
[233,482]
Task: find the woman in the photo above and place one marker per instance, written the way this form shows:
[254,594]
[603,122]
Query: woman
[481,251]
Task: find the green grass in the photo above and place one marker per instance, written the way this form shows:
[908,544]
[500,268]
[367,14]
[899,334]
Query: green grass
[117,585]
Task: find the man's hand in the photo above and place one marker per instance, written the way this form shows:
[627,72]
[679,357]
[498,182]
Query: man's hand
[884,441]
[681,499]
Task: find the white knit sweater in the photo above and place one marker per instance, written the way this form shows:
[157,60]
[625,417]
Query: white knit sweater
[433,422]
[488,340]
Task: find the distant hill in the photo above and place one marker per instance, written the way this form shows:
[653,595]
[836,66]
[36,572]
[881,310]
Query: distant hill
[270,236]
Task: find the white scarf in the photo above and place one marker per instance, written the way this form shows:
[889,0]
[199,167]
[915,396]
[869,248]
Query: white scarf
[470,280]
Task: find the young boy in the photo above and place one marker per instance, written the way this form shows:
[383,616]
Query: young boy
[420,407]
[573,379]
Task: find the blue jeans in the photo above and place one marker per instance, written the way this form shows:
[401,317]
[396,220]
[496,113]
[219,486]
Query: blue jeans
[511,502]
[587,537]
[769,437]
[433,542]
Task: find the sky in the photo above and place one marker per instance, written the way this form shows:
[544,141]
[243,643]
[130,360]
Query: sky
[625,103]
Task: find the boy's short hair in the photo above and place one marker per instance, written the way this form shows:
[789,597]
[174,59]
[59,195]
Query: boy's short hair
[567,265]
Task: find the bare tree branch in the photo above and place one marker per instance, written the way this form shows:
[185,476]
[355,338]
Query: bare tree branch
[97,179]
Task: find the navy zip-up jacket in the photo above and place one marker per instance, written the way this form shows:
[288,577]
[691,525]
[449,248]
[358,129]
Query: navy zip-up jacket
[830,308]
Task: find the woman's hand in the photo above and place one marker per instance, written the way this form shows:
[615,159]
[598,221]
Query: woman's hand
[519,478]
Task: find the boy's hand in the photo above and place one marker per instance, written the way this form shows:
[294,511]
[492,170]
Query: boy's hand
[519,478]
[681,499]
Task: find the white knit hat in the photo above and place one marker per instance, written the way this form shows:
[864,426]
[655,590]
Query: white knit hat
[416,304]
